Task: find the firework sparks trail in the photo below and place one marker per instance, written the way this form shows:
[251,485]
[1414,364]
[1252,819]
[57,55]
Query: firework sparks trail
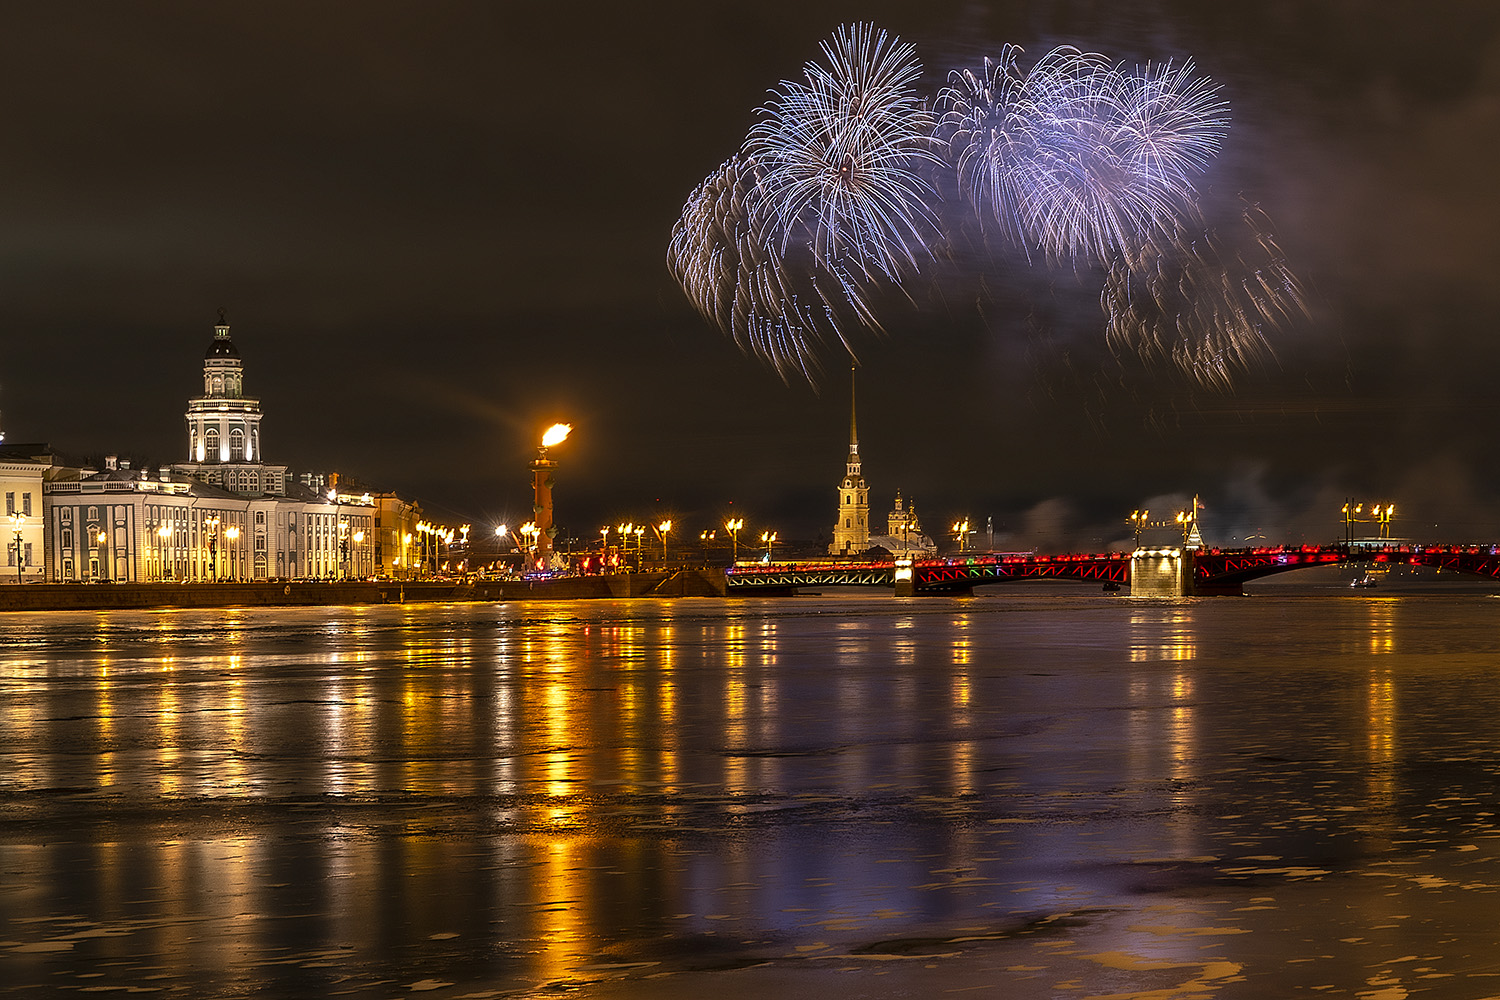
[722,256]
[1201,303]
[1079,160]
[1078,157]
[841,156]
[779,246]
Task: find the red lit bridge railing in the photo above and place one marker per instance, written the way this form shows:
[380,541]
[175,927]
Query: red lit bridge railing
[1213,570]
[931,575]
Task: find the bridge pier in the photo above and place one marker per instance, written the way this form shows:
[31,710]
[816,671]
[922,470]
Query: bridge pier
[1166,572]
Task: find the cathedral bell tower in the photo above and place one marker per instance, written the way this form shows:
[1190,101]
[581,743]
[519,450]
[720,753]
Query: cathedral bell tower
[851,532]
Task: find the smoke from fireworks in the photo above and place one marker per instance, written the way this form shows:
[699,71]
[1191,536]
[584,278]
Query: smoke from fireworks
[1078,160]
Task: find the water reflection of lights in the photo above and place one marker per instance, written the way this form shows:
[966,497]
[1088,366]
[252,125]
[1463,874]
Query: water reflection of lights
[106,731]
[963,641]
[232,774]
[1155,636]
[561,929]
[168,733]
[1381,712]
[1382,625]
[557,764]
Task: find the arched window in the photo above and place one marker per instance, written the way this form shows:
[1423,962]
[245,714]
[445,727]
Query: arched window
[236,445]
[217,389]
[211,443]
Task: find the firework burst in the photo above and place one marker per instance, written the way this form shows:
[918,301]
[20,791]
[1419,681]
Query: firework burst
[841,157]
[732,272]
[830,204]
[1078,157]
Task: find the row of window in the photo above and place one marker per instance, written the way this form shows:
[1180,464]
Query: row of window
[10,503]
[211,444]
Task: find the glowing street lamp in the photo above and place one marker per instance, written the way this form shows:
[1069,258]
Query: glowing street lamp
[768,538]
[1351,511]
[164,532]
[531,534]
[101,538]
[1384,517]
[1138,523]
[733,526]
[961,529]
[232,533]
[661,532]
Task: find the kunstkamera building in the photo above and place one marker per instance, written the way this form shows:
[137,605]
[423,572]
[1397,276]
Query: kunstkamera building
[223,514]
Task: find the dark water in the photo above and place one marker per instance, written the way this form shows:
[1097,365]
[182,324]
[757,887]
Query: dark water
[1020,795]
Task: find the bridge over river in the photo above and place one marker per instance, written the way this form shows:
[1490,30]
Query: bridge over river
[1158,572]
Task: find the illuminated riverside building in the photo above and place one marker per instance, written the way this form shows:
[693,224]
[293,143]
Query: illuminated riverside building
[222,515]
[903,533]
[21,476]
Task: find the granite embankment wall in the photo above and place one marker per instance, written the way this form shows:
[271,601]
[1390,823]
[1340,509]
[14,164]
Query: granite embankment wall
[104,596]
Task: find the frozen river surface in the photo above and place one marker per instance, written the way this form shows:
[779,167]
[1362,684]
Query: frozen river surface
[1023,796]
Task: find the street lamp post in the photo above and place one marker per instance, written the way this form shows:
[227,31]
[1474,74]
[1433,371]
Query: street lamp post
[164,533]
[343,549]
[733,526]
[769,538]
[1383,515]
[500,531]
[211,524]
[232,535]
[101,538]
[661,532]
[16,520]
[1351,511]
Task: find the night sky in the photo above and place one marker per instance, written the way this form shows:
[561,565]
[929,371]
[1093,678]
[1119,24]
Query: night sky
[437,228]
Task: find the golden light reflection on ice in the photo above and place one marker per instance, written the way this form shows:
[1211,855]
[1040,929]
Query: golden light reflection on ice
[1382,611]
[1162,634]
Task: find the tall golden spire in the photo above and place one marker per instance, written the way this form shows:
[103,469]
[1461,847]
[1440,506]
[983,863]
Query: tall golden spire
[853,430]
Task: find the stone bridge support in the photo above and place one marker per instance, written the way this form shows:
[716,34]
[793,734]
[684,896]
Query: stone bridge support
[1164,572]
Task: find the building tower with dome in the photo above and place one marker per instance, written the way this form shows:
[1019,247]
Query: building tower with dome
[223,427]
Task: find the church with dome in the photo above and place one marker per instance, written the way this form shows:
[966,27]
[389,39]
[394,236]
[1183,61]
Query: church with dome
[903,537]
